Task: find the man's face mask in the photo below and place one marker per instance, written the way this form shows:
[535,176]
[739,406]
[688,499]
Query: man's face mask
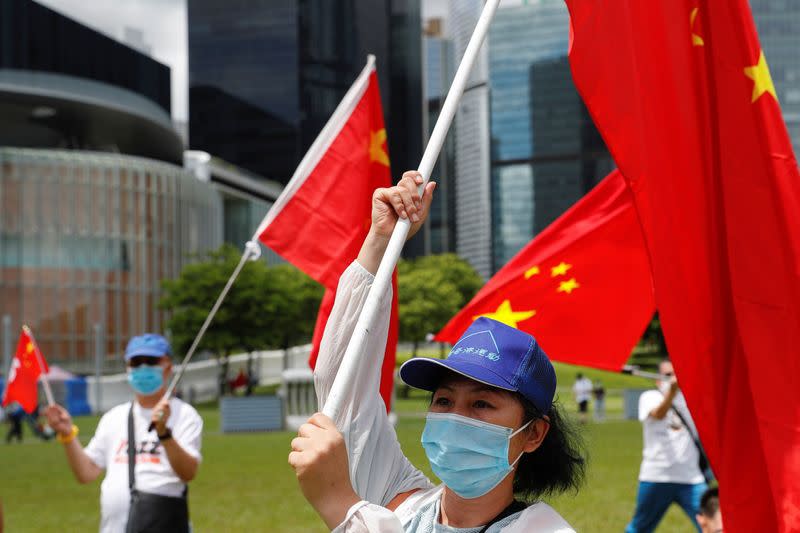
[146,379]
[468,455]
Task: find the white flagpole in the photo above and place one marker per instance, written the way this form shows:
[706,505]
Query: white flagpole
[252,251]
[349,366]
[40,360]
[634,371]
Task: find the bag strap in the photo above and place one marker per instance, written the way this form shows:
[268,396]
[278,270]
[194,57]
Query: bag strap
[514,507]
[695,440]
[131,453]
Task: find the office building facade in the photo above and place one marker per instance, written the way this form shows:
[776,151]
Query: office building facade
[545,151]
[96,208]
[265,76]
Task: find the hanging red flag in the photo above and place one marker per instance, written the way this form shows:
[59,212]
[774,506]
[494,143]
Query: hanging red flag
[323,215]
[26,367]
[682,94]
[582,287]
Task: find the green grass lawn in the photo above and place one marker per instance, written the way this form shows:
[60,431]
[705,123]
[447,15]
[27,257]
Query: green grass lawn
[245,484]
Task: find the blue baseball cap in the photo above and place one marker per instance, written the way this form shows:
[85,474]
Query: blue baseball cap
[149,344]
[495,354]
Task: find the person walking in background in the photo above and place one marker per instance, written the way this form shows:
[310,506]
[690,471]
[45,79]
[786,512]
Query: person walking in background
[670,470]
[582,389]
[599,393]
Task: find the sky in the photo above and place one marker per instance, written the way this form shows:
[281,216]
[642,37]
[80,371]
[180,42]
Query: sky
[162,23]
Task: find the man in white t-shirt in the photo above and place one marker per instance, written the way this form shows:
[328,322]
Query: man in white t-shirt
[669,471]
[167,458]
[582,389]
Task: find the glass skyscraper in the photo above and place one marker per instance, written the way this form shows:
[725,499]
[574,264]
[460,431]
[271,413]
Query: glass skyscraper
[266,75]
[545,151]
[472,137]
[439,232]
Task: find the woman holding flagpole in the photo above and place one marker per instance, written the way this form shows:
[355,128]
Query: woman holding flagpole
[492,431]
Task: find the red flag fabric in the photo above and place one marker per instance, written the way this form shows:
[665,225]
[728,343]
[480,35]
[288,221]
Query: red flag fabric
[323,215]
[682,94]
[582,287]
[28,364]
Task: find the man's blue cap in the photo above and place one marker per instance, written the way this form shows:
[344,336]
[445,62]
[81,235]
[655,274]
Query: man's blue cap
[495,354]
[149,344]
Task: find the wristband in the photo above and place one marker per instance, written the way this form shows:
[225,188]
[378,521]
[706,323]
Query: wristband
[66,439]
[166,436]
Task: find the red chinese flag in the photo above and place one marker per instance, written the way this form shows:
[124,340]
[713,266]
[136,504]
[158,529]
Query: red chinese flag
[323,215]
[27,366]
[582,287]
[682,94]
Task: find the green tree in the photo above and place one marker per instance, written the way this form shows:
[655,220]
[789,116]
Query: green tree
[651,348]
[267,307]
[455,270]
[432,289]
[294,300]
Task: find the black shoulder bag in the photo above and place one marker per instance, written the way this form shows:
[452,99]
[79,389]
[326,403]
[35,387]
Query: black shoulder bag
[152,513]
[702,459]
[514,507]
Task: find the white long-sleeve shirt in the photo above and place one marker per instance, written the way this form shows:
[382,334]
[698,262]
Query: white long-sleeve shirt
[378,469]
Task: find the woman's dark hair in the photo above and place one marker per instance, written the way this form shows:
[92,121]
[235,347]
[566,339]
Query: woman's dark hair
[557,465]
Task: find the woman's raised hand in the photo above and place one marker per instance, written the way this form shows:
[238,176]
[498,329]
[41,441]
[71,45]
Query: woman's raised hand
[401,201]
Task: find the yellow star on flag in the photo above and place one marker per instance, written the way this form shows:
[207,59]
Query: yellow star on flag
[507,316]
[531,272]
[761,77]
[29,347]
[560,269]
[568,286]
[376,151]
[696,39]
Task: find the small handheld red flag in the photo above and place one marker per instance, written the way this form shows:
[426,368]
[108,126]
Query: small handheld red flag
[27,366]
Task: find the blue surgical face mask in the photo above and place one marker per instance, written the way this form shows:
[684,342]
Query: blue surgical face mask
[146,379]
[468,455]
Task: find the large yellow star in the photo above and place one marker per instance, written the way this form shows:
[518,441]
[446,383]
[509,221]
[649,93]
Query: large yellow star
[761,77]
[508,316]
[560,269]
[29,347]
[376,151]
[531,272]
[568,286]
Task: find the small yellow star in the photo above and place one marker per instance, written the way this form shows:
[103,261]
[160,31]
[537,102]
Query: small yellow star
[29,347]
[761,77]
[376,151]
[696,39]
[531,272]
[568,286]
[508,316]
[560,269]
